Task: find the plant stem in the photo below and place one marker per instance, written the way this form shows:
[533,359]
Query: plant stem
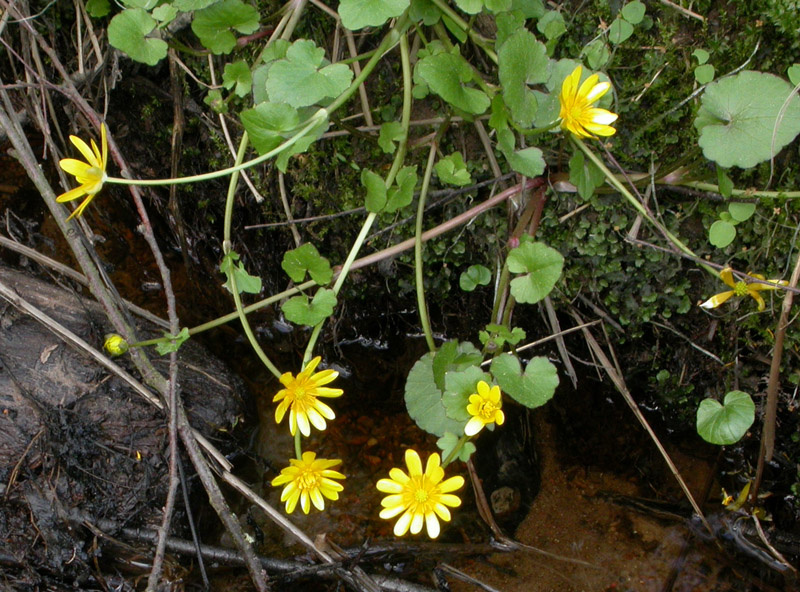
[616,184]
[226,248]
[741,192]
[456,449]
[419,275]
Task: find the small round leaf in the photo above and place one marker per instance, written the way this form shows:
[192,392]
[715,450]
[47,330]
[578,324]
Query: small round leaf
[727,423]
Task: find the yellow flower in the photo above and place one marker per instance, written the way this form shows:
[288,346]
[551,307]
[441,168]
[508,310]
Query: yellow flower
[300,397]
[310,479]
[742,288]
[115,345]
[419,496]
[90,174]
[484,407]
[577,114]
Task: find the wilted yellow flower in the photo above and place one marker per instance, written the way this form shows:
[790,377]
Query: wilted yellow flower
[115,345]
[419,496]
[300,397]
[742,288]
[577,113]
[309,480]
[90,174]
[485,408]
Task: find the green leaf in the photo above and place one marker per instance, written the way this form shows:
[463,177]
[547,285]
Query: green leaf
[474,276]
[498,6]
[633,12]
[301,145]
[266,124]
[721,234]
[470,6]
[391,132]
[214,25]
[619,31]
[453,170]
[299,80]
[176,341]
[458,386]
[164,14]
[727,423]
[401,193]
[542,268]
[794,74]
[496,336]
[704,74]
[376,191]
[738,119]
[447,74]
[237,74]
[724,183]
[551,25]
[98,8]
[741,211]
[424,400]
[245,282]
[215,101]
[528,161]
[529,8]
[300,311]
[357,14]
[449,441]
[521,61]
[597,54]
[306,259]
[454,356]
[701,55]
[424,11]
[585,175]
[190,5]
[534,388]
[128,32]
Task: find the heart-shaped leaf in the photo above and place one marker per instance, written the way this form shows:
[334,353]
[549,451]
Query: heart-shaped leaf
[474,276]
[424,400]
[738,119]
[542,267]
[215,24]
[726,423]
[306,258]
[522,61]
[300,311]
[128,32]
[447,75]
[452,169]
[534,388]
[357,14]
[458,387]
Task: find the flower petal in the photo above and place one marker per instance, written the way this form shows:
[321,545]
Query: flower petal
[717,299]
[432,525]
[413,462]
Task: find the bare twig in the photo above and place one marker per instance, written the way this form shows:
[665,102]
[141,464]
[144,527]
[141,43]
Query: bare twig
[616,377]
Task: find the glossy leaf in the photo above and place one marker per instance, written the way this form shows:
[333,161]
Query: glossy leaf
[237,76]
[721,234]
[128,32]
[401,193]
[447,75]
[357,14]
[424,400]
[214,25]
[541,266]
[522,61]
[725,423]
[738,119]
[474,276]
[300,311]
[245,282]
[376,191]
[305,259]
[533,388]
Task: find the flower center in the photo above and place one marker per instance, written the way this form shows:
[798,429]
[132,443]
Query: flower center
[740,289]
[487,410]
[300,392]
[308,480]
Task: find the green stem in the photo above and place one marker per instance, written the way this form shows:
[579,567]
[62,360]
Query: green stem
[298,449]
[456,449]
[479,40]
[391,38]
[226,247]
[742,192]
[616,184]
[399,157]
[419,276]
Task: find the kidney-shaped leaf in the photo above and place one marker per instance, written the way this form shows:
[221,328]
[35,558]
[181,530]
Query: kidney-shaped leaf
[424,400]
[357,14]
[447,74]
[738,119]
[128,32]
[727,423]
[542,267]
[534,387]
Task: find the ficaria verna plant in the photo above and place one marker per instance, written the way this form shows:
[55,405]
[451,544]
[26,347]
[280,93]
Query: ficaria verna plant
[284,96]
